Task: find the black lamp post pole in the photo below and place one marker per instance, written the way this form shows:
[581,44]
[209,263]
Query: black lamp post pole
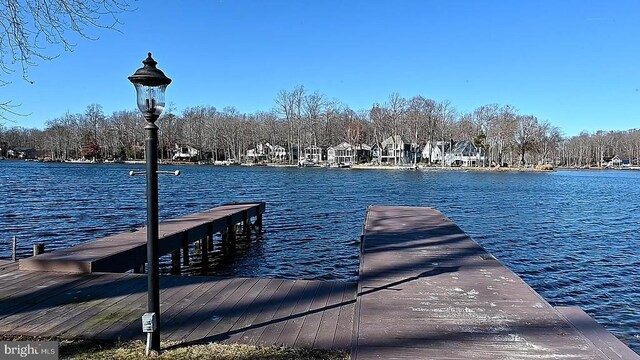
[151,83]
[153,278]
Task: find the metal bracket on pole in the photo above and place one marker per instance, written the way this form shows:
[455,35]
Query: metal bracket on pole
[135,173]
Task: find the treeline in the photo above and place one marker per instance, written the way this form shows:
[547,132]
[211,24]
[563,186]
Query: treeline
[300,119]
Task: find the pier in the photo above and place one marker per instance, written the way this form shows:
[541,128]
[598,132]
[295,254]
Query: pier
[428,291]
[425,291]
[128,250]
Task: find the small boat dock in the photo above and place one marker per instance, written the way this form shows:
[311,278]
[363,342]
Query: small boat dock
[128,251]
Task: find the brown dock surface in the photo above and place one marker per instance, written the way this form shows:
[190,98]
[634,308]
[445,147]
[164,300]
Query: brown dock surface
[299,313]
[428,291]
[124,251]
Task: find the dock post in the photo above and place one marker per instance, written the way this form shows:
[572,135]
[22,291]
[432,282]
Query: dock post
[139,269]
[14,249]
[210,237]
[185,250]
[175,262]
[259,222]
[231,235]
[205,254]
[228,236]
[246,225]
[38,249]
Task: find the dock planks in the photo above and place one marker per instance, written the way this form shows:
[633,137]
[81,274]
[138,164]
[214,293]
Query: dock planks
[425,291]
[194,308]
[428,291]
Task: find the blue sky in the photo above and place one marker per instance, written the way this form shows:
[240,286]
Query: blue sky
[573,63]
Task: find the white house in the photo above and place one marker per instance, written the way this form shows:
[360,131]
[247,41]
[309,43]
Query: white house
[615,162]
[185,153]
[313,153]
[277,152]
[463,153]
[433,151]
[341,154]
[257,154]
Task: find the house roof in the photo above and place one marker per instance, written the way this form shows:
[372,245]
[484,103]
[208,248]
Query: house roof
[391,140]
[465,148]
[343,146]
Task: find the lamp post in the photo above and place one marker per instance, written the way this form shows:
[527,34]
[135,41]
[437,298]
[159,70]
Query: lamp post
[150,84]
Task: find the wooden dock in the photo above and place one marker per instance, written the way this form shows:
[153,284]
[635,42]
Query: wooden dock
[425,291]
[128,250]
[428,291]
[301,313]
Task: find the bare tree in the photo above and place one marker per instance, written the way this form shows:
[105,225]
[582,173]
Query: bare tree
[446,115]
[420,115]
[313,106]
[289,105]
[501,131]
[397,109]
[527,128]
[550,139]
[377,115]
[28,26]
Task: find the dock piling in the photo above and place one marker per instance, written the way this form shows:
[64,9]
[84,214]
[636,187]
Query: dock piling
[14,248]
[246,225]
[229,237]
[175,262]
[259,223]
[185,249]
[38,249]
[205,254]
[210,237]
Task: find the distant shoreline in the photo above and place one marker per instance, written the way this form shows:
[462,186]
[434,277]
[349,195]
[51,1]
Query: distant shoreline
[355,167]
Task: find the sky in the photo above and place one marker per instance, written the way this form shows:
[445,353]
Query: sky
[575,64]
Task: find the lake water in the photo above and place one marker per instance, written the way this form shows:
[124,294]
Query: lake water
[572,235]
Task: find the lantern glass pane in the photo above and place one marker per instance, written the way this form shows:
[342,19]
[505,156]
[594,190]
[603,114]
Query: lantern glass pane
[150,98]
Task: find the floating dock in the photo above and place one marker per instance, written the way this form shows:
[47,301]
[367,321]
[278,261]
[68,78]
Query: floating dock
[425,291]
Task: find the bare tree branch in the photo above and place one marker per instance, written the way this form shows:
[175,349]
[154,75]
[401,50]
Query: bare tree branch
[28,27]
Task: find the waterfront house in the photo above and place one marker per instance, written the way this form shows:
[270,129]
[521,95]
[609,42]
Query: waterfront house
[616,162]
[433,152]
[341,154]
[257,154]
[312,153]
[22,153]
[185,153]
[363,153]
[277,153]
[463,153]
[394,150]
